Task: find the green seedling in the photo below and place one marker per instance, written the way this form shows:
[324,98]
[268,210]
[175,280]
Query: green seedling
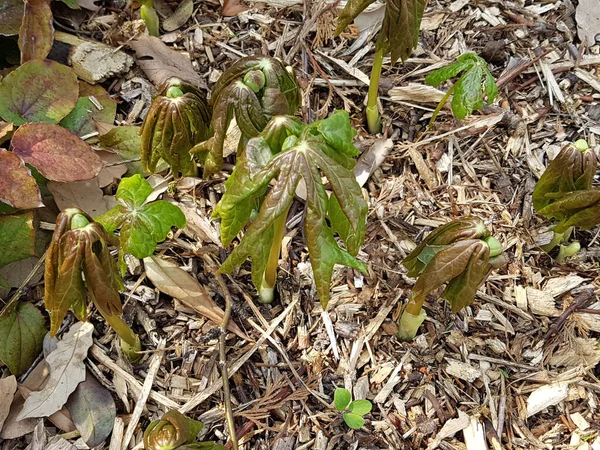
[254,89]
[142,224]
[473,73]
[398,36]
[288,151]
[150,17]
[352,411]
[459,254]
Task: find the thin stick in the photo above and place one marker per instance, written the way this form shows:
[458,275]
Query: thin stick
[223,363]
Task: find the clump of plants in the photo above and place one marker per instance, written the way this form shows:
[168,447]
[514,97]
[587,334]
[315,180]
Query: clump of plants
[289,152]
[352,411]
[473,73]
[174,431]
[564,193]
[398,36]
[461,255]
[253,90]
[177,120]
[79,248]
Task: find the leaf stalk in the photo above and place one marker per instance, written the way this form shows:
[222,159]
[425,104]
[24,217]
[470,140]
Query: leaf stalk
[267,288]
[373,119]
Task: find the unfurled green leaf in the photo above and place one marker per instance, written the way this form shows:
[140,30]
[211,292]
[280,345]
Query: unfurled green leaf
[22,332]
[450,71]
[38,91]
[468,96]
[360,407]
[17,237]
[82,120]
[142,224]
[307,156]
[354,421]
[341,399]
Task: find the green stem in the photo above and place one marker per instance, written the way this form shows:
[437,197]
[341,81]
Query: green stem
[566,251]
[373,119]
[267,287]
[411,319]
[556,239]
[440,106]
[130,342]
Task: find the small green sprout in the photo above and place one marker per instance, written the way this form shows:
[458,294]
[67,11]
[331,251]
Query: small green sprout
[468,94]
[150,17]
[353,411]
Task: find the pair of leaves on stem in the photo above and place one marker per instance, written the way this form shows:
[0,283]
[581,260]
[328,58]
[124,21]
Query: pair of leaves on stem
[143,224]
[174,431]
[254,89]
[401,23]
[288,151]
[468,93]
[353,411]
[460,253]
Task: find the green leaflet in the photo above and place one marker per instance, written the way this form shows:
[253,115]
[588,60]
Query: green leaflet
[468,90]
[142,224]
[341,399]
[354,421]
[309,154]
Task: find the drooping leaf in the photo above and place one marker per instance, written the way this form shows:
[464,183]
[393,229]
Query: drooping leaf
[38,91]
[400,28]
[37,32]
[22,332]
[468,96]
[17,187]
[341,399]
[55,152]
[93,411]
[575,209]
[360,407]
[67,370]
[308,153]
[17,237]
[142,225]
[82,120]
[11,16]
[354,421]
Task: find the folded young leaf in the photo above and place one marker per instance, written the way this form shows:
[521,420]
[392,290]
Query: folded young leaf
[575,209]
[400,30]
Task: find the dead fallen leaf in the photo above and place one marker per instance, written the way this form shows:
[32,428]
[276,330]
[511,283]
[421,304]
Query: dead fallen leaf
[170,279]
[587,16]
[8,386]
[66,372]
[180,16]
[17,272]
[198,226]
[160,63]
[114,168]
[86,195]
[232,8]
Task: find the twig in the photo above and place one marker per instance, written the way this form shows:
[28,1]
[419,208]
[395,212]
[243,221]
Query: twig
[583,300]
[223,362]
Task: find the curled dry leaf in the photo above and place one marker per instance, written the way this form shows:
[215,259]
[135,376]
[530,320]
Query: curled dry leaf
[232,8]
[57,153]
[174,281]
[67,370]
[37,32]
[38,91]
[17,187]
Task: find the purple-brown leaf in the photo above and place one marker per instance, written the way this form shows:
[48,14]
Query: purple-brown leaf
[37,32]
[17,187]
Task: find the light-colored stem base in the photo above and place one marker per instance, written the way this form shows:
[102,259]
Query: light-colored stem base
[409,325]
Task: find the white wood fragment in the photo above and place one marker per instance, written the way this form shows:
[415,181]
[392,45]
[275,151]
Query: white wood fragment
[474,435]
[394,379]
[546,396]
[580,421]
[462,370]
[561,285]
[450,428]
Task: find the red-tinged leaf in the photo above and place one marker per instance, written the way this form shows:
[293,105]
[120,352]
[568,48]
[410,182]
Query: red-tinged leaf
[37,32]
[232,8]
[11,16]
[17,187]
[17,237]
[82,120]
[58,154]
[38,91]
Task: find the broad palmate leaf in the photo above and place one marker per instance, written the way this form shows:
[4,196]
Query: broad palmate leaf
[301,153]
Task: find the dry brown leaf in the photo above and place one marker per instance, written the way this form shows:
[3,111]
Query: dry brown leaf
[180,16]
[233,8]
[8,386]
[86,195]
[67,370]
[160,63]
[172,280]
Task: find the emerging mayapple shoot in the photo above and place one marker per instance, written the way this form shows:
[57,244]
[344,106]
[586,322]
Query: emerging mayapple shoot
[174,431]
[564,193]
[177,120]
[460,253]
[79,248]
[150,17]
[254,89]
[288,151]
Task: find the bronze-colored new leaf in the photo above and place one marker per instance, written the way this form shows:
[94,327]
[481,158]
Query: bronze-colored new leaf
[254,89]
[171,432]
[575,209]
[176,121]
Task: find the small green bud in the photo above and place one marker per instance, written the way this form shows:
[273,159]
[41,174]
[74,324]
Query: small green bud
[581,145]
[566,251]
[494,245]
[255,80]
[79,221]
[174,92]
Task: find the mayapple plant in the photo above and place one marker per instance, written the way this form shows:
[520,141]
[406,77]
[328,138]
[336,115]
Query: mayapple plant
[174,431]
[460,253]
[177,120]
[398,36]
[79,248]
[289,152]
[564,193]
[254,89]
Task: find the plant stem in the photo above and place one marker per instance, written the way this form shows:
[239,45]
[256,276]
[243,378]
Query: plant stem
[267,287]
[373,119]
[440,106]
[411,319]
[556,239]
[223,363]
[130,342]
